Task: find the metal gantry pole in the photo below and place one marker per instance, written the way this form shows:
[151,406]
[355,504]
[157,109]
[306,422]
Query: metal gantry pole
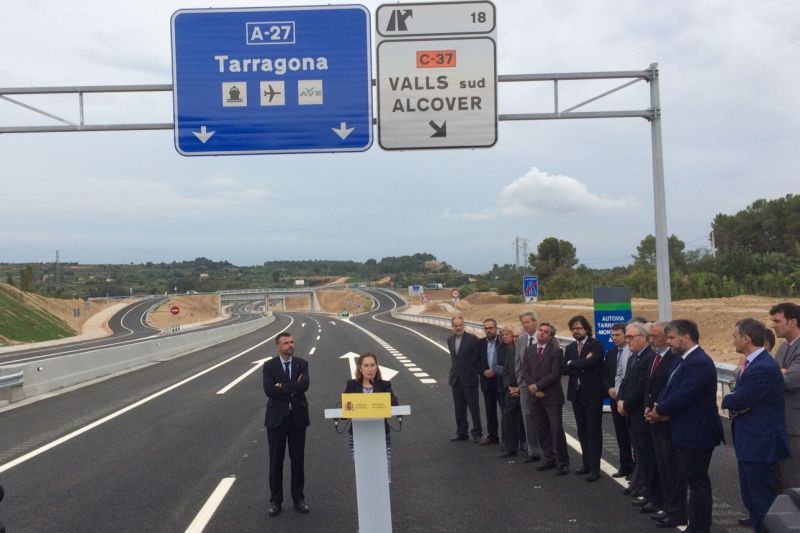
[659,197]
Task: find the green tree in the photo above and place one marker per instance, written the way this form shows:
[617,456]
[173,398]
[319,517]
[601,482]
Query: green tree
[10,280]
[26,278]
[646,252]
[553,255]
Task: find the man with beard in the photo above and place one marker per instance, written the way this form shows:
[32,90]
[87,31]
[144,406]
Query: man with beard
[489,368]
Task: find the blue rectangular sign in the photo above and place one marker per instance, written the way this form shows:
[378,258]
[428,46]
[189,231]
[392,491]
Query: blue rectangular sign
[530,286]
[272,80]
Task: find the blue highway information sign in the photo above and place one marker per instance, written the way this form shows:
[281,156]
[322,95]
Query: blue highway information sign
[272,80]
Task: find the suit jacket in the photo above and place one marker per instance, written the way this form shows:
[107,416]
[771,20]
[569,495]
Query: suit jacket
[790,359]
[588,369]
[483,364]
[633,389]
[464,367]
[545,374]
[655,382]
[610,368]
[294,391]
[379,385]
[756,406]
[690,400]
[506,355]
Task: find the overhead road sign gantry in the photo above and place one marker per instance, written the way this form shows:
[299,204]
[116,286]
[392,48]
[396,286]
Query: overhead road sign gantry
[437,75]
[272,80]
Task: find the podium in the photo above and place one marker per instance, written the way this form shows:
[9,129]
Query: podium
[372,476]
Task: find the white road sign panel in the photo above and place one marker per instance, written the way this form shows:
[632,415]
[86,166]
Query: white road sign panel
[437,18]
[437,93]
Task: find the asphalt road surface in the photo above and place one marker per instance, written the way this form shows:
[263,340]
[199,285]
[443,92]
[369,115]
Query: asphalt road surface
[146,450]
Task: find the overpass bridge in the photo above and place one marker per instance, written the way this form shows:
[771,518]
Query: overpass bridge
[268,295]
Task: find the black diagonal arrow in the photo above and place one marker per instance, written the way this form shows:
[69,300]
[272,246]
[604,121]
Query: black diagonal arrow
[441,131]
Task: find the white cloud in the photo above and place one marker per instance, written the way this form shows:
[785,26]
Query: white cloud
[538,191]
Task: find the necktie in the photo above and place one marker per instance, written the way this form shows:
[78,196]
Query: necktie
[655,364]
[743,366]
[288,370]
[539,352]
[580,348]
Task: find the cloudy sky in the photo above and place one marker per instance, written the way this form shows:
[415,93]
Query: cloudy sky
[731,123]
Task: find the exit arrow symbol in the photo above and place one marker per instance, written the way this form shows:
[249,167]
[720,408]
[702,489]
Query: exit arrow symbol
[441,131]
[203,135]
[343,130]
[386,373]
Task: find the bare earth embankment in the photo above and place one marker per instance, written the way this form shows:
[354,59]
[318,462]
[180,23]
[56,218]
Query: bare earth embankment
[195,309]
[714,316]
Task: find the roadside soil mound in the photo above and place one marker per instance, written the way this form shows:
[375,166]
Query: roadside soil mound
[195,308]
[485,298]
[335,301]
[715,317]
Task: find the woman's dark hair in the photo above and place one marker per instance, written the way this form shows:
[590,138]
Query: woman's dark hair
[365,355]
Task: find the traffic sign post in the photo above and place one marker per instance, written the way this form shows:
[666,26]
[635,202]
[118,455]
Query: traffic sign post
[530,288]
[272,80]
[175,310]
[437,75]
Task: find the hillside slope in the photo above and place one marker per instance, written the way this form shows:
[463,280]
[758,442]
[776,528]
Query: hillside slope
[23,322]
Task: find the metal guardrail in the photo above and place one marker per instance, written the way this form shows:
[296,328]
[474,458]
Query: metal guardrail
[726,374]
[12,380]
[267,291]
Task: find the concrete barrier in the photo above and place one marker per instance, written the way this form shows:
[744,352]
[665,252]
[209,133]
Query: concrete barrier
[48,375]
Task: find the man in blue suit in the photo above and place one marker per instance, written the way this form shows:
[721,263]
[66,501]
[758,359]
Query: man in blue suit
[689,402]
[758,419]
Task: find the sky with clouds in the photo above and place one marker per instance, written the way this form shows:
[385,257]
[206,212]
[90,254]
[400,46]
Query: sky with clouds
[731,118]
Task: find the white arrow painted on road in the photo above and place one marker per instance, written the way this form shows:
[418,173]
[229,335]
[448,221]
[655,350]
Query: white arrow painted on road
[232,384]
[332,322]
[203,135]
[386,373]
[302,325]
[343,130]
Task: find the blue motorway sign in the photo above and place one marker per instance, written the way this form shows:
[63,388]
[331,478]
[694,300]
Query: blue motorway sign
[272,80]
[530,286]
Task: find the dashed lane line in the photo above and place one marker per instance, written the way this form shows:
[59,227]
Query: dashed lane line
[204,516]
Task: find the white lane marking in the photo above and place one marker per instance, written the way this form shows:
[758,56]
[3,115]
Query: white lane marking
[332,322]
[232,384]
[421,374]
[303,324]
[428,380]
[318,336]
[443,348]
[386,373]
[204,516]
[313,349]
[414,369]
[69,436]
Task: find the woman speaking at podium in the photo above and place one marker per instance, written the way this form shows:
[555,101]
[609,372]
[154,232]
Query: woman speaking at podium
[368,380]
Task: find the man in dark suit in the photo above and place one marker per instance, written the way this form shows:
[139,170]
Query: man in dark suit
[489,381]
[689,402]
[286,381]
[630,404]
[786,323]
[542,371]
[673,487]
[758,421]
[583,363]
[612,359]
[463,379]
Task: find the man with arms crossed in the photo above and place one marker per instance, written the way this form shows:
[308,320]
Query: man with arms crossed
[286,381]
[786,323]
[463,379]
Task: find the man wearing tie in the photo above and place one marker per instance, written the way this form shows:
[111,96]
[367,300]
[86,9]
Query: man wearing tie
[758,421]
[489,368]
[689,402]
[616,358]
[786,322]
[526,347]
[463,380]
[584,366]
[285,382]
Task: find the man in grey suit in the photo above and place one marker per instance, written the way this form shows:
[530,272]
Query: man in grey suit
[463,379]
[786,323]
[526,347]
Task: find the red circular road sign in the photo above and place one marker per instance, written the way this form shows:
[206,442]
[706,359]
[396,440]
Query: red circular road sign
[455,293]
[174,309]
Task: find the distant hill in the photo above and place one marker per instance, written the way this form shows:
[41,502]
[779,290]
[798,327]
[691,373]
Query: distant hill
[22,321]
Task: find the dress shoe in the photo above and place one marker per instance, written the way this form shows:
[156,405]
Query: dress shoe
[638,492]
[455,438]
[531,459]
[745,521]
[547,466]
[274,509]
[582,471]
[648,508]
[639,501]
[487,441]
[620,473]
[594,476]
[628,490]
[301,507]
[660,515]
[562,470]
[670,522]
[506,455]
[476,439]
